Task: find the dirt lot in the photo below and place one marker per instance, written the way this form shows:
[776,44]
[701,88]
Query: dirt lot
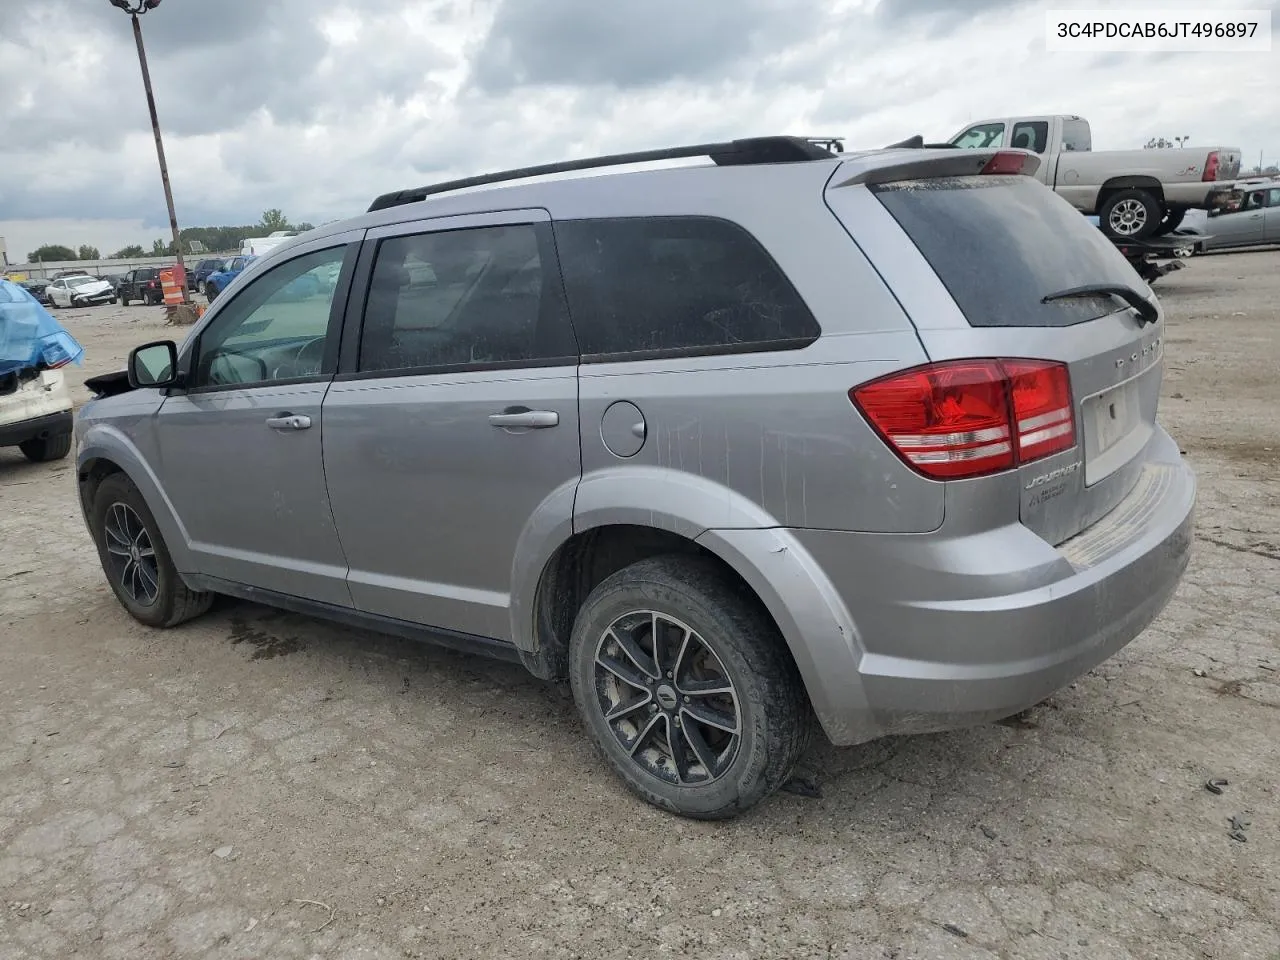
[260,785]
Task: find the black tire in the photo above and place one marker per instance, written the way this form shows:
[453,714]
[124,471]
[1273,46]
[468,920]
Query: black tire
[1131,214]
[173,601]
[736,642]
[210,292]
[44,449]
[1171,222]
[124,301]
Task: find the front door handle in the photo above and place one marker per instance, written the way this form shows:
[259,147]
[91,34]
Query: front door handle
[289,421]
[525,418]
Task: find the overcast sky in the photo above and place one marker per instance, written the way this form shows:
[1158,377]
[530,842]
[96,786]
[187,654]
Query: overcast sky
[316,106]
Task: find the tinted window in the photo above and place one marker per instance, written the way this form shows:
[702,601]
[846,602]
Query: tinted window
[1000,244]
[275,328]
[983,135]
[489,295]
[651,285]
[1033,135]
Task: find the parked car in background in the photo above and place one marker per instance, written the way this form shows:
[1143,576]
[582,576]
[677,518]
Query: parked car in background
[1135,193]
[141,284]
[79,291]
[217,281]
[197,275]
[35,401]
[1251,218]
[627,431]
[38,289]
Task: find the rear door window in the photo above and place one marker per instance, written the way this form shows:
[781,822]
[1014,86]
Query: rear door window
[466,299]
[668,286]
[1000,244]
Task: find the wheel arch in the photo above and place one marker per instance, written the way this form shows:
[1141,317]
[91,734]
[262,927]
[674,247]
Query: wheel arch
[552,581]
[1132,182]
[105,451]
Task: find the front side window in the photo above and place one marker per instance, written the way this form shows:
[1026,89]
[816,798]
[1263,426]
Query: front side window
[982,136]
[671,285]
[1253,200]
[465,298]
[1031,135]
[1273,198]
[276,328]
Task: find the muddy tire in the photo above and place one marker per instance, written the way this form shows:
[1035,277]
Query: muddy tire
[135,559]
[688,688]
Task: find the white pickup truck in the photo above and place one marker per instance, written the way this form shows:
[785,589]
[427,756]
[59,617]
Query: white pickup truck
[1135,193]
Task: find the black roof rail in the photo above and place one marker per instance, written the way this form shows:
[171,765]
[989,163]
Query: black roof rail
[729,153]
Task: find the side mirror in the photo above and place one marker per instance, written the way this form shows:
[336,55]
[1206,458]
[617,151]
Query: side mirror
[154,365]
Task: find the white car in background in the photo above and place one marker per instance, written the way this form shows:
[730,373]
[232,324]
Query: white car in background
[81,291]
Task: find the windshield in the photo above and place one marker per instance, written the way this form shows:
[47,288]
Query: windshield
[80,281]
[999,244]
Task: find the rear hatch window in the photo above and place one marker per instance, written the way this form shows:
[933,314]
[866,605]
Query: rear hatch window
[1001,243]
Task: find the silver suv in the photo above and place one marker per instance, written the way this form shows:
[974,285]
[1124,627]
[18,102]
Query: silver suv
[774,437]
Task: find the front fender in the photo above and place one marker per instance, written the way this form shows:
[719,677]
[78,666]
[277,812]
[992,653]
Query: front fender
[104,441]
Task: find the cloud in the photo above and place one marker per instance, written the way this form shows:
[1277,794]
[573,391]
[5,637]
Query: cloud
[318,107]
[572,43]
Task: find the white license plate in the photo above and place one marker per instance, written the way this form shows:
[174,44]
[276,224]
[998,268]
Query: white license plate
[1114,413]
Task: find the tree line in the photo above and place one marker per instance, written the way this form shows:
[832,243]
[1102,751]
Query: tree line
[213,239]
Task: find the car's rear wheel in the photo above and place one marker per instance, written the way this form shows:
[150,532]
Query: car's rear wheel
[136,560]
[44,449]
[1131,214]
[687,687]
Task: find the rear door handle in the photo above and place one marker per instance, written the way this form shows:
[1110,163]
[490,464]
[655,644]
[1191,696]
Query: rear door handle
[525,418]
[289,421]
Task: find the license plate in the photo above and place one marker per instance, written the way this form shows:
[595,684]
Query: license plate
[1113,416]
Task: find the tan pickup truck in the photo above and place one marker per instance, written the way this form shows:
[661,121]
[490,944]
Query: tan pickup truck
[1135,193]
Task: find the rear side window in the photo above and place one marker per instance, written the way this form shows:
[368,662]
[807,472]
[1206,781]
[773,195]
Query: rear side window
[466,299]
[670,286]
[1000,244]
[1075,136]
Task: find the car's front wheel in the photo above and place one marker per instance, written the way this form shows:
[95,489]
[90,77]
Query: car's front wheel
[688,688]
[210,291]
[136,560]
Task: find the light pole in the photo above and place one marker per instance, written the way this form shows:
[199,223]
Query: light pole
[135,8]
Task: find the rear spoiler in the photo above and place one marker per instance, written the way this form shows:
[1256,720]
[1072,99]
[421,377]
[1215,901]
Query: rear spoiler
[917,143]
[927,163]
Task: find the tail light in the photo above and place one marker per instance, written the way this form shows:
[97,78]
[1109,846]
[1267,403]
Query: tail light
[968,418]
[1004,162]
[1211,167]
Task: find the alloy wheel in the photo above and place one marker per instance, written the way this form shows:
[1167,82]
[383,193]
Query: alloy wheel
[1128,217]
[667,698]
[131,555]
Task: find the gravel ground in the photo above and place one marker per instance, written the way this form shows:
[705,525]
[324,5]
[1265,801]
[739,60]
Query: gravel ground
[264,785]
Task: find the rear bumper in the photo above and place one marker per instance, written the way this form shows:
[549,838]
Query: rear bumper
[50,425]
[951,631]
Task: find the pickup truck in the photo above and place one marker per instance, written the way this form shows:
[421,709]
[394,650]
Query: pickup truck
[140,284]
[1136,194]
